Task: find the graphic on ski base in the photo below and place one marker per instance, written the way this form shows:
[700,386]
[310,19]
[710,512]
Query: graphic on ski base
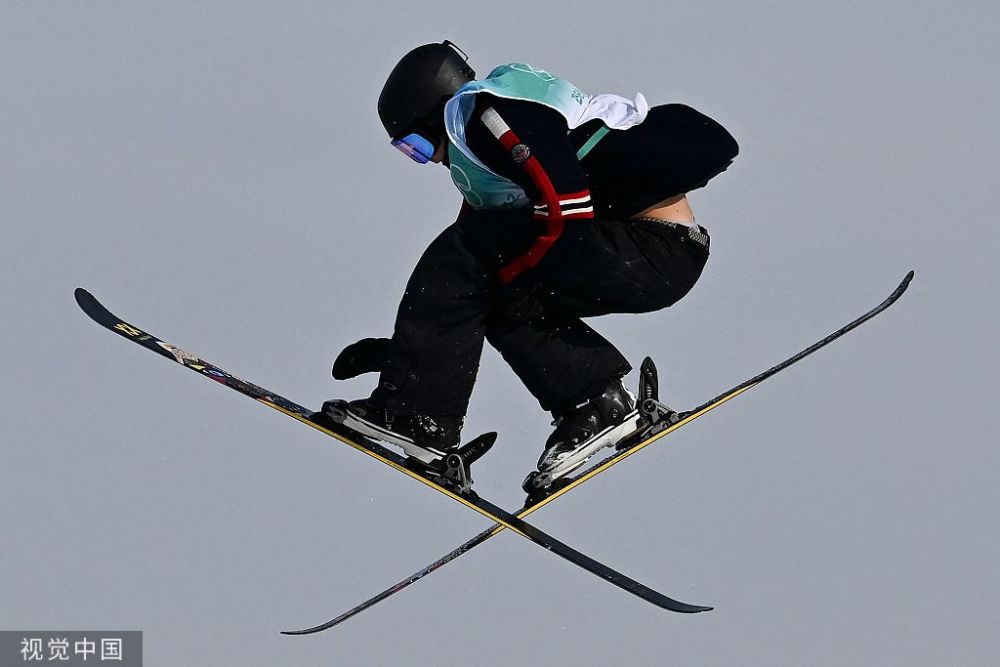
[452,476]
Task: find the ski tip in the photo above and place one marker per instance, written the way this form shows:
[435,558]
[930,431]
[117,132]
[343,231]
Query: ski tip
[902,286]
[686,608]
[90,305]
[311,631]
[95,310]
[81,295]
[87,302]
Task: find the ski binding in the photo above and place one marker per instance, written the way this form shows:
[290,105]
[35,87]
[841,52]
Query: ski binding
[450,469]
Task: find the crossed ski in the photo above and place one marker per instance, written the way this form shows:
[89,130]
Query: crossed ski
[104,317]
[664,423]
[661,422]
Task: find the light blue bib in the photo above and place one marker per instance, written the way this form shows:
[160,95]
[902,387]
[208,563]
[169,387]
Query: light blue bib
[482,187]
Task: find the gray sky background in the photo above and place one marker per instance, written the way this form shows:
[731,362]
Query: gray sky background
[216,173]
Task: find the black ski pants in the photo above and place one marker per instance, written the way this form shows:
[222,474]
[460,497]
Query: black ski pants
[454,300]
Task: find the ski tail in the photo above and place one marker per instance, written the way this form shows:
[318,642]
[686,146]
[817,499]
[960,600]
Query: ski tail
[420,574]
[684,418]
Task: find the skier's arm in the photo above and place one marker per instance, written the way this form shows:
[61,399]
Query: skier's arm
[529,144]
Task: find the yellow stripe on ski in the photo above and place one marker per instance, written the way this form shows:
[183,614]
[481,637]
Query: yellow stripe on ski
[393,464]
[629,452]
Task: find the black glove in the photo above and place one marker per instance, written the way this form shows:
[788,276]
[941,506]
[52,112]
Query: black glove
[368,355]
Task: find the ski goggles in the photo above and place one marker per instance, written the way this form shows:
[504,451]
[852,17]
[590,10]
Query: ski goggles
[416,147]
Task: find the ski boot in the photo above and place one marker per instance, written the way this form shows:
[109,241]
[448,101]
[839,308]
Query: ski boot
[580,433]
[431,444]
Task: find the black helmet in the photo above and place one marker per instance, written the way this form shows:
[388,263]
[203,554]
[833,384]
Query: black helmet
[418,87]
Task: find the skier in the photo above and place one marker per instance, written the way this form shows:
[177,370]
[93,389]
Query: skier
[574,206]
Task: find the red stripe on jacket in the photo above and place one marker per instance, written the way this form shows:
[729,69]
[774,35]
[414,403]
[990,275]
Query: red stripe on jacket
[554,219]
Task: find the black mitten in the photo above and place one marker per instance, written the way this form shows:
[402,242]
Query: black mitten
[368,355]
